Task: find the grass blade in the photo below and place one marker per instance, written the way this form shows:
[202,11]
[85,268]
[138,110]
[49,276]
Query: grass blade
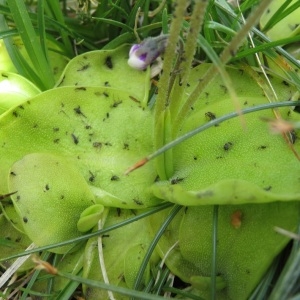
[31,43]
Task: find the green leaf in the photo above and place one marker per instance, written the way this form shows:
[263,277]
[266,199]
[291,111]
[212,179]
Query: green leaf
[107,68]
[49,205]
[119,258]
[14,89]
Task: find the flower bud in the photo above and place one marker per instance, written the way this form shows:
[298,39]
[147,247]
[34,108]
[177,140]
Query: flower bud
[143,54]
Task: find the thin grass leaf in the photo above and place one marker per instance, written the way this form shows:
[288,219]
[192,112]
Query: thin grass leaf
[56,10]
[262,36]
[147,28]
[220,67]
[36,294]
[117,7]
[120,40]
[153,244]
[131,18]
[225,56]
[115,23]
[4,9]
[161,281]
[50,281]
[69,289]
[277,16]
[9,43]
[262,290]
[146,12]
[41,27]
[28,289]
[185,294]
[209,124]
[281,13]
[75,33]
[164,21]
[149,287]
[261,47]
[31,42]
[8,33]
[109,287]
[24,67]
[289,278]
[93,234]
[286,67]
[248,4]
[220,27]
[280,50]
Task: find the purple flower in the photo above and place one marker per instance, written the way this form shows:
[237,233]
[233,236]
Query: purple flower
[143,54]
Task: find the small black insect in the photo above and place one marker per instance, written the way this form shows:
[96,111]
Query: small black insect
[83,68]
[262,147]
[176,180]
[134,99]
[115,178]
[92,177]
[224,88]
[97,145]
[63,79]
[138,202]
[210,116]
[108,62]
[116,104]
[78,111]
[156,179]
[81,88]
[75,139]
[227,146]
[293,136]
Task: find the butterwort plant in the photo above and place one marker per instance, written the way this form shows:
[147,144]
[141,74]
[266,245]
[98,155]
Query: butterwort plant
[129,188]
